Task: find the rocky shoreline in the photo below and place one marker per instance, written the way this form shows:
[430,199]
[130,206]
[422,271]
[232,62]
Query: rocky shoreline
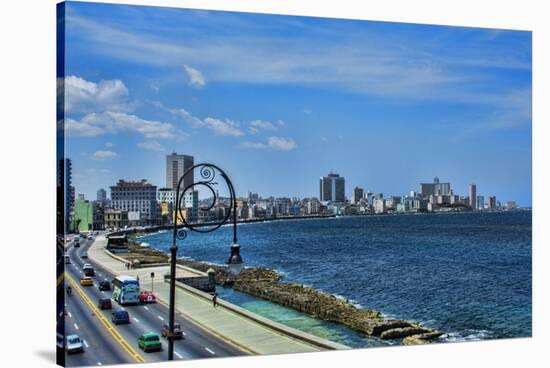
[267,284]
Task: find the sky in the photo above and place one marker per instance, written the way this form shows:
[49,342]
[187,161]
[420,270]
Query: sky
[279,101]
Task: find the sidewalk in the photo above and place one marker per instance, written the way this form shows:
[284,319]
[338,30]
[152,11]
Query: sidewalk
[246,333]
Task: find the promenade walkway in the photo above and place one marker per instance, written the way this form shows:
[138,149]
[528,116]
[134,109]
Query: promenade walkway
[244,332]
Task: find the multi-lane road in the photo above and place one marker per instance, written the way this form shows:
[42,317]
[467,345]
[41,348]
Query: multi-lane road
[106,343]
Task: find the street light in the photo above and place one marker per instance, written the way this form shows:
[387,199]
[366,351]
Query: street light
[235,263]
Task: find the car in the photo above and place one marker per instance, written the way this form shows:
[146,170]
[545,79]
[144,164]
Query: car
[88,270]
[178,332]
[120,317]
[147,297]
[84,255]
[67,259]
[105,303]
[149,342]
[77,244]
[86,281]
[104,286]
[74,344]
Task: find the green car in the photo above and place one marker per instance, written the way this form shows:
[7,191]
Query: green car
[149,342]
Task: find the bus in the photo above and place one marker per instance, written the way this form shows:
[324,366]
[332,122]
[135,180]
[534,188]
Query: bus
[126,290]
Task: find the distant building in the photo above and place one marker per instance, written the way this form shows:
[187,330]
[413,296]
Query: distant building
[379,205]
[480,202]
[101,195]
[332,188]
[138,198]
[358,194]
[473,196]
[176,166]
[115,219]
[492,202]
[435,188]
[83,215]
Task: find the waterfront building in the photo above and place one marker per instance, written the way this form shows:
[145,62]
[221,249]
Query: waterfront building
[435,188]
[83,215]
[492,202]
[511,205]
[191,204]
[480,202]
[379,205]
[473,196]
[332,188]
[313,206]
[176,166]
[101,195]
[166,195]
[358,194]
[138,198]
[115,219]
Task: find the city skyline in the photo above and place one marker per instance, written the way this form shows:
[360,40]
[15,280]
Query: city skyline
[386,114]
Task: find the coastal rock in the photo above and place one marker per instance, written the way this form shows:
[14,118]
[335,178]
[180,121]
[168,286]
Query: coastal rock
[376,327]
[398,333]
[421,339]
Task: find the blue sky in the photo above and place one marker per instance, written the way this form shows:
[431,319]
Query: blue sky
[278,101]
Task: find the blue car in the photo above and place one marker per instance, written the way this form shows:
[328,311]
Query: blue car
[120,317]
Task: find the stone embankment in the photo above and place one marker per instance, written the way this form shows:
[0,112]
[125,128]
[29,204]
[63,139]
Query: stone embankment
[266,284]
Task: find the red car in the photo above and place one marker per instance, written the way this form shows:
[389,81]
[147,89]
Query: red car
[147,297]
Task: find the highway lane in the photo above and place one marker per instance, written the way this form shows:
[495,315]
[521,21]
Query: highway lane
[149,318]
[99,347]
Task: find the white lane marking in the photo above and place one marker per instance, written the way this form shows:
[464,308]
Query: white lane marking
[70,315]
[76,326]
[159,317]
[210,351]
[144,307]
[105,279]
[99,274]
[135,319]
[183,333]
[85,343]
[99,363]
[178,355]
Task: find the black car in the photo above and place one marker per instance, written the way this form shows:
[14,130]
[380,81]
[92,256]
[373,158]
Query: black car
[120,317]
[77,244]
[105,286]
[104,303]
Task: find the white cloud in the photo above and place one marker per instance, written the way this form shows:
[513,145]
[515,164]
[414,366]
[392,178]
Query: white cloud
[104,155]
[257,125]
[282,144]
[109,144]
[219,127]
[273,143]
[152,146]
[95,124]
[196,79]
[82,96]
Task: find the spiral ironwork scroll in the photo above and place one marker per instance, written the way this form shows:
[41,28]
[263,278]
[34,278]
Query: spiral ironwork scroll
[207,174]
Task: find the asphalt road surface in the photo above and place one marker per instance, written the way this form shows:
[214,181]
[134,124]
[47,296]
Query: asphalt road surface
[106,343]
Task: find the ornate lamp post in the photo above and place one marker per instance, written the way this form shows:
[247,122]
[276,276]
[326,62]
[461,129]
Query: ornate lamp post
[207,174]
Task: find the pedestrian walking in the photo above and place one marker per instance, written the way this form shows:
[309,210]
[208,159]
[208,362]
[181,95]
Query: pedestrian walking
[215,300]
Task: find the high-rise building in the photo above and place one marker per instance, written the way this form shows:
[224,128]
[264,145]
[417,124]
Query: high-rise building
[473,196]
[138,198]
[358,194]
[480,202]
[176,166]
[332,188]
[65,184]
[492,203]
[435,188]
[101,195]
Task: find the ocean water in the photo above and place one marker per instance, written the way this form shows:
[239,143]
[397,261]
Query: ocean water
[466,274]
